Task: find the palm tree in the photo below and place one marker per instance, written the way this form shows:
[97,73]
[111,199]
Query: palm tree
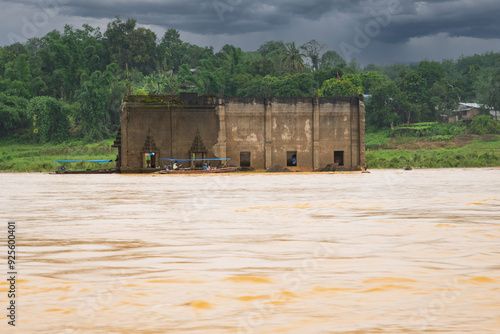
[292,59]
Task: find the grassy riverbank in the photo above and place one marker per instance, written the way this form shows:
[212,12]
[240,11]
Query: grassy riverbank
[432,152]
[17,157]
[383,151]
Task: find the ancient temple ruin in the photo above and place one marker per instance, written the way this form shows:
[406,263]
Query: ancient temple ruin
[301,134]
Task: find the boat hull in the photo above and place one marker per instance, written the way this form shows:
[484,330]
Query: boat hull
[88,171]
[211,171]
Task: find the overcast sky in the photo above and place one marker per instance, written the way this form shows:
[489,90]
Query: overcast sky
[372,31]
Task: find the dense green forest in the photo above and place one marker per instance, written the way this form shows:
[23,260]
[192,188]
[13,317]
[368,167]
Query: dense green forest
[70,84]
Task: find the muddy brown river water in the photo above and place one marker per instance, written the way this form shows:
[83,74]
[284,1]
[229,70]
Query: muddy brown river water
[386,252]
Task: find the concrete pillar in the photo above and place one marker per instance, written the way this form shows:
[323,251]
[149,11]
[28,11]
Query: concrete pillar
[220,149]
[124,129]
[355,134]
[362,145]
[354,141]
[171,136]
[316,146]
[268,127]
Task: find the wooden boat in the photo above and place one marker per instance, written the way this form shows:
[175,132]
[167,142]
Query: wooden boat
[222,169]
[199,171]
[88,171]
[63,170]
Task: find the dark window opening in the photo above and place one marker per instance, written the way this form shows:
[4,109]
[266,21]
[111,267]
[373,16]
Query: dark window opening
[338,157]
[149,160]
[245,159]
[291,158]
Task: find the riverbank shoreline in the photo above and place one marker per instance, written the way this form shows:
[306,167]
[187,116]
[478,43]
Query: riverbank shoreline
[263,172]
[476,152]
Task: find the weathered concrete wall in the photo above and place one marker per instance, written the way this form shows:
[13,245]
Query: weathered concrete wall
[245,129]
[314,128]
[292,130]
[172,128]
[267,128]
[335,130]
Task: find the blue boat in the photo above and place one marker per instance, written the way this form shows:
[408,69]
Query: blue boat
[63,170]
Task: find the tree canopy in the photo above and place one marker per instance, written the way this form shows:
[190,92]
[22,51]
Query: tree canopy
[71,83]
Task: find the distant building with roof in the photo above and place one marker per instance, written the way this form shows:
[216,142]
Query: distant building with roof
[467,111]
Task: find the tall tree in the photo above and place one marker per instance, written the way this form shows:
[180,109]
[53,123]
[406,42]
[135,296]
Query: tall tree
[292,60]
[344,87]
[172,49]
[116,40]
[57,65]
[94,100]
[431,71]
[387,106]
[469,79]
[270,48]
[313,50]
[488,89]
[18,77]
[371,80]
[50,119]
[142,43]
[9,53]
[130,45]
[331,59]
[444,97]
[13,116]
[415,88]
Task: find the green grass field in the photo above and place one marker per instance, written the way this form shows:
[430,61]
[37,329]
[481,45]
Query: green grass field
[382,152]
[474,151]
[17,157]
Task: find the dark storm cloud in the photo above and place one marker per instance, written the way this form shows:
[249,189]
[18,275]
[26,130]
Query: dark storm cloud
[307,19]
[207,16]
[478,19]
